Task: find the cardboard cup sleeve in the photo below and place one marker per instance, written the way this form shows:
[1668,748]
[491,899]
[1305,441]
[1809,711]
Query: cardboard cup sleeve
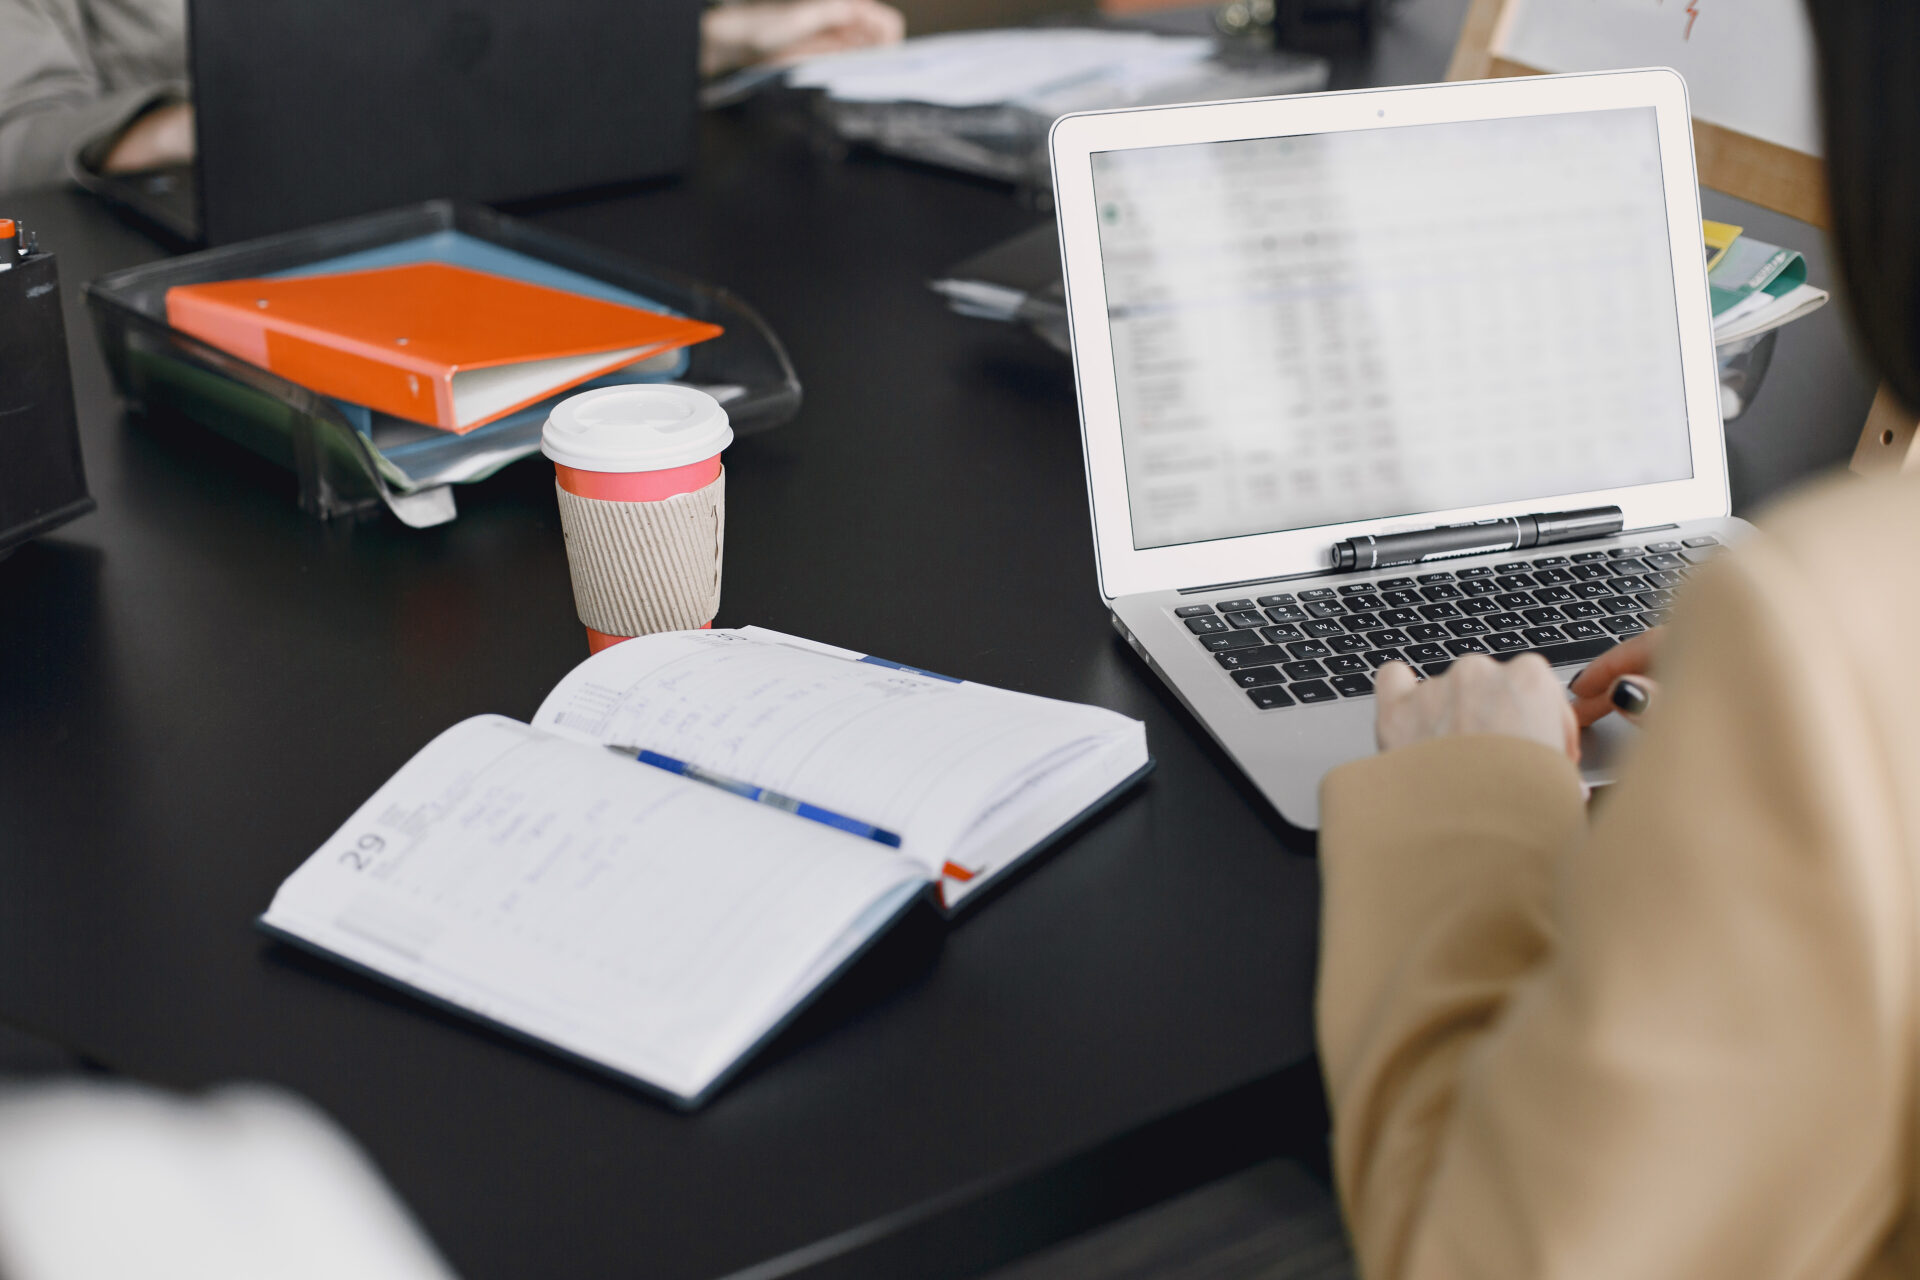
[642,567]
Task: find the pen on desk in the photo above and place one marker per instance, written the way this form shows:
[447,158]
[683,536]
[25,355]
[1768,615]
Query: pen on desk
[759,795]
[1510,533]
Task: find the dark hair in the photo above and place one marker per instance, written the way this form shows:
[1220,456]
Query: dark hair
[1870,85]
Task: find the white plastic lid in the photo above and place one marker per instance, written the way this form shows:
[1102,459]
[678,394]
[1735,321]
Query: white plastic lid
[642,427]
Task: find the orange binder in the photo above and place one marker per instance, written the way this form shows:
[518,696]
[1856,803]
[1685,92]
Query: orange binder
[428,342]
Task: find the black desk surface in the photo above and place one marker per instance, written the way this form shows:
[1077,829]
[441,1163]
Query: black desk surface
[197,684]
[200,684]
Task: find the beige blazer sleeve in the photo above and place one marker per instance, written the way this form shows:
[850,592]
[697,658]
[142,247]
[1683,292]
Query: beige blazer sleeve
[1680,1044]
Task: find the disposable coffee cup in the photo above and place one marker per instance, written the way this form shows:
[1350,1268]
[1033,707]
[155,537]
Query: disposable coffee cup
[643,506]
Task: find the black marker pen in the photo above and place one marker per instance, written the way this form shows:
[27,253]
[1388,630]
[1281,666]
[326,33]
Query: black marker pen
[1446,541]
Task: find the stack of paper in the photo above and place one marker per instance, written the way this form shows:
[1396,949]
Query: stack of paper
[1755,286]
[989,68]
[982,101]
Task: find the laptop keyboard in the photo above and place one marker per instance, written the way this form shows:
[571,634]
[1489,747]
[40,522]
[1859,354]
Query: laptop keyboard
[1321,645]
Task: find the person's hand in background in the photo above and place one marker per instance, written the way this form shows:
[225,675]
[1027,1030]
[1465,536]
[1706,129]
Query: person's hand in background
[1520,699]
[780,31]
[160,137]
[1617,680]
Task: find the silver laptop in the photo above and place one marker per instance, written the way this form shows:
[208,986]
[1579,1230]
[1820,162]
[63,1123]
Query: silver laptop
[1313,321]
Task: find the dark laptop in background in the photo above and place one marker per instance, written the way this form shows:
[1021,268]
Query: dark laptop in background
[309,112]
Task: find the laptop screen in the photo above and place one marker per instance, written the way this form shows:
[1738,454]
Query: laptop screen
[1330,327]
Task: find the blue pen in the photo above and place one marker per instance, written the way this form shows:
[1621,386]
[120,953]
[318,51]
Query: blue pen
[759,795]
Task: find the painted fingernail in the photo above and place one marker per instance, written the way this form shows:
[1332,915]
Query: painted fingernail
[1630,696]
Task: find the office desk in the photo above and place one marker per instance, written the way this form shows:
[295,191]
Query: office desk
[197,685]
[200,684]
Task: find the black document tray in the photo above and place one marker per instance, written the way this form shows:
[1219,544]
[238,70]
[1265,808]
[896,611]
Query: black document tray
[345,469]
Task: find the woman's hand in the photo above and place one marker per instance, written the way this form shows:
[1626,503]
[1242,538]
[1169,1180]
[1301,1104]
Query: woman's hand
[160,137]
[1598,689]
[777,31]
[1521,698]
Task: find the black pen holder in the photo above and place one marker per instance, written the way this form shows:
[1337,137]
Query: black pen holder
[42,482]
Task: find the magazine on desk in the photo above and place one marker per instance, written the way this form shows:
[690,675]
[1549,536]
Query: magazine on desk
[658,926]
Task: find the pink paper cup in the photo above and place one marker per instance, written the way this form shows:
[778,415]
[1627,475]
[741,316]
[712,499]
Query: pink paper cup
[642,497]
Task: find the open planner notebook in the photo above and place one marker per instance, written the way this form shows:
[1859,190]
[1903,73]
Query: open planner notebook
[661,927]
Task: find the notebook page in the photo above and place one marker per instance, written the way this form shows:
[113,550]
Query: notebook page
[915,754]
[619,912]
